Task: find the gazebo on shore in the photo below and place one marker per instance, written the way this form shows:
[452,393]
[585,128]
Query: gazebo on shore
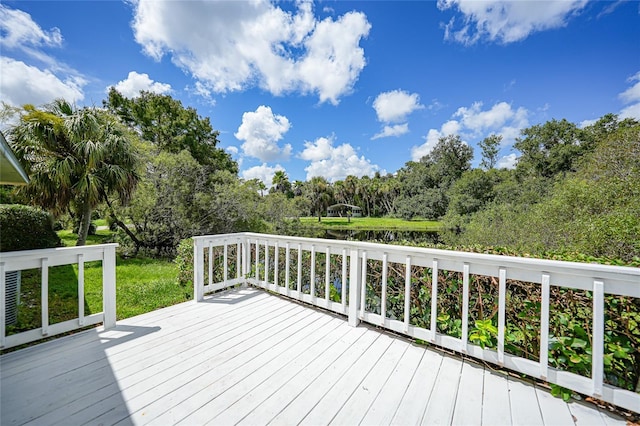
[341,209]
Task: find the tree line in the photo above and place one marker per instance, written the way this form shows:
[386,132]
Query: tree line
[154,169]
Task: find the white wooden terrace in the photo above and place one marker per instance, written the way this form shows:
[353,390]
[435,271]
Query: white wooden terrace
[245,356]
[248,357]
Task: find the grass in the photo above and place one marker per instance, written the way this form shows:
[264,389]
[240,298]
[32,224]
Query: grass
[372,223]
[142,285]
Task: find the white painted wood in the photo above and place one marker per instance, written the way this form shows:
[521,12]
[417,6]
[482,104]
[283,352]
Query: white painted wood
[384,407]
[496,408]
[257,275]
[443,398]
[211,260]
[225,260]
[554,410]
[3,305]
[383,295]
[360,281]
[544,326]
[299,288]
[356,283]
[238,260]
[411,409]
[80,290]
[468,408]
[502,306]
[343,297]
[364,395]
[266,261]
[524,403]
[407,294]
[327,274]
[597,348]
[465,308]
[434,300]
[586,415]
[329,405]
[109,287]
[270,400]
[312,278]
[287,267]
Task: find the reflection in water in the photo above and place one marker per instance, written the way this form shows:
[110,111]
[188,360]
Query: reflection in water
[431,237]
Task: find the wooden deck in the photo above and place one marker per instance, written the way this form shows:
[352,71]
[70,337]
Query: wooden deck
[248,357]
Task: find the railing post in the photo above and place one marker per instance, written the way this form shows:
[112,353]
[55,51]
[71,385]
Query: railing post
[246,252]
[198,270]
[597,354]
[3,305]
[355,282]
[109,287]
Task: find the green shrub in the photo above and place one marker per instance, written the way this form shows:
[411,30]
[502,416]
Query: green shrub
[26,228]
[184,260]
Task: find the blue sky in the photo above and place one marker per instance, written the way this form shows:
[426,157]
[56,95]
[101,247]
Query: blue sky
[334,88]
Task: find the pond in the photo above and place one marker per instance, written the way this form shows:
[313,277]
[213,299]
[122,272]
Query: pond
[431,237]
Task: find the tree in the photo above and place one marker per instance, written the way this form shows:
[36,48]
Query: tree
[490,147]
[280,182]
[170,127]
[75,159]
[320,195]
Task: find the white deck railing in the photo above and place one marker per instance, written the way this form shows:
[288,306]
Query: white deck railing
[256,260]
[45,259]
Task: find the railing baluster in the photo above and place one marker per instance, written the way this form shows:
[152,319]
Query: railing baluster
[434,300]
[3,298]
[225,260]
[544,326]
[238,260]
[363,280]
[597,360]
[502,298]
[287,265]
[276,250]
[257,260]
[299,269]
[312,277]
[343,296]
[210,249]
[356,281]
[109,286]
[383,298]
[465,307]
[407,294]
[327,272]
[81,290]
[266,262]
[198,270]
[44,294]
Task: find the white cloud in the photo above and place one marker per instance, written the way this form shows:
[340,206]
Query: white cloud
[632,94]
[19,31]
[136,82]
[335,163]
[233,150]
[25,84]
[395,130]
[473,122]
[261,130]
[229,46]
[263,173]
[396,105]
[506,21]
[632,111]
[507,162]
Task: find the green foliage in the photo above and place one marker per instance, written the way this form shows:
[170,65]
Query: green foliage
[26,228]
[490,148]
[184,262]
[75,158]
[170,127]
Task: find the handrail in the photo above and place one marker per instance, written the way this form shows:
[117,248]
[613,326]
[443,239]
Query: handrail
[46,258]
[258,257]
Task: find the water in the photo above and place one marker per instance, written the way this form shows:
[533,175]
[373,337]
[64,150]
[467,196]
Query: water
[431,237]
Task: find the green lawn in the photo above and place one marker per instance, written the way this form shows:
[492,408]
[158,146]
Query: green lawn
[142,285]
[372,223]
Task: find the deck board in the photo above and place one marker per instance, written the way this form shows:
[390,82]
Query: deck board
[248,357]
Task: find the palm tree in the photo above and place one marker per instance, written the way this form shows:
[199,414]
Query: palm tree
[320,195]
[280,182]
[75,158]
